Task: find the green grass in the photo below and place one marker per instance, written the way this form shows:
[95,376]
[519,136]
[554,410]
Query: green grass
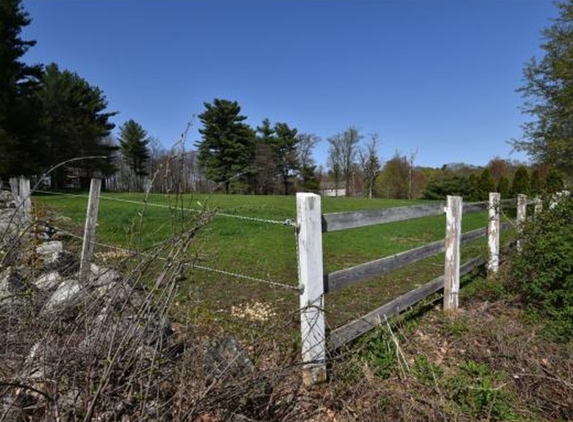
[265,250]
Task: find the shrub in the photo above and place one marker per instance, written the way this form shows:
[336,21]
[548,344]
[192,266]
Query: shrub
[543,270]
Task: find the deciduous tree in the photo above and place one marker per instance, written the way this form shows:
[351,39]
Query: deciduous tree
[548,138]
[369,163]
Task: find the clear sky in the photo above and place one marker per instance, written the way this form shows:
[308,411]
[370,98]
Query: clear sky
[436,76]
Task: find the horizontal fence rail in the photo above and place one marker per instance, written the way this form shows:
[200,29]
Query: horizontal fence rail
[351,220]
[362,325]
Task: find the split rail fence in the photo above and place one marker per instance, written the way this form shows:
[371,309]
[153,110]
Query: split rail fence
[314,284]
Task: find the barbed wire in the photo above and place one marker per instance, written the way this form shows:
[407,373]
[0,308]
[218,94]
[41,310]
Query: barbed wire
[288,222]
[194,265]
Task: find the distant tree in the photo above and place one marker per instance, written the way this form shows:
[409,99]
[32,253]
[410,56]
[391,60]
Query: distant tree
[440,186]
[285,153]
[485,185]
[346,146]
[20,151]
[499,168]
[503,187]
[133,143]
[336,159]
[521,183]
[547,96]
[227,147]
[369,164]
[392,182]
[308,172]
[73,123]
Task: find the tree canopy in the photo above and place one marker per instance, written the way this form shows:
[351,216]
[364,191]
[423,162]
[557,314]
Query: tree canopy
[548,138]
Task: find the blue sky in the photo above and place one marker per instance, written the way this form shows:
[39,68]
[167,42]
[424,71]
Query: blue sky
[436,76]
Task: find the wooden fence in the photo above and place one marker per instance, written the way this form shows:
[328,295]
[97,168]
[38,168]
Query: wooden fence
[314,284]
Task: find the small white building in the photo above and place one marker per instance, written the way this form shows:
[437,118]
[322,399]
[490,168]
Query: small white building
[330,189]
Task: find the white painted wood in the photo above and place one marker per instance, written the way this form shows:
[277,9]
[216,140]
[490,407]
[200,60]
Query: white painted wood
[311,282]
[90,229]
[15,189]
[493,232]
[25,198]
[452,261]
[521,216]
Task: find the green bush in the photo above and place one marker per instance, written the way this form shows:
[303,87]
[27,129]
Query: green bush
[543,270]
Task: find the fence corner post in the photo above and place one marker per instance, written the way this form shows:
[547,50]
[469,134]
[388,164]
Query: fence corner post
[521,217]
[493,232]
[311,283]
[90,229]
[452,261]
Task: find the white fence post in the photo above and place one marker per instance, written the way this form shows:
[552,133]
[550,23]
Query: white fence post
[90,229]
[452,264]
[521,217]
[25,199]
[311,282]
[493,232]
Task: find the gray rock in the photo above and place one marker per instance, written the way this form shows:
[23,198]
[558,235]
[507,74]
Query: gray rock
[224,357]
[12,287]
[56,258]
[69,294]
[101,276]
[48,281]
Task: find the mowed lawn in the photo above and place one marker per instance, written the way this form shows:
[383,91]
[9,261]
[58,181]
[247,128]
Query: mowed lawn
[263,250]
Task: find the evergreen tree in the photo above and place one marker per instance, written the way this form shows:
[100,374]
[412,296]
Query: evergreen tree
[73,123]
[503,187]
[547,94]
[227,148]
[18,82]
[520,182]
[285,153]
[485,185]
[133,143]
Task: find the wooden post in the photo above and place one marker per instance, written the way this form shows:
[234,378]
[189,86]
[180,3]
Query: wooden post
[493,233]
[521,216]
[25,199]
[90,229]
[452,264]
[312,324]
[15,188]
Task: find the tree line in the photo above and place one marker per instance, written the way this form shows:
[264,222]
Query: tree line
[49,115]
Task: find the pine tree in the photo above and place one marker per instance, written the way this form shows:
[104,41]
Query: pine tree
[521,183]
[227,148]
[18,83]
[133,144]
[73,123]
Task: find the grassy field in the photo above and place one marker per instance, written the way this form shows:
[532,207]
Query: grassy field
[263,250]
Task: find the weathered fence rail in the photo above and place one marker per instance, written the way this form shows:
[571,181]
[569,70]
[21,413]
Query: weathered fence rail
[312,225]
